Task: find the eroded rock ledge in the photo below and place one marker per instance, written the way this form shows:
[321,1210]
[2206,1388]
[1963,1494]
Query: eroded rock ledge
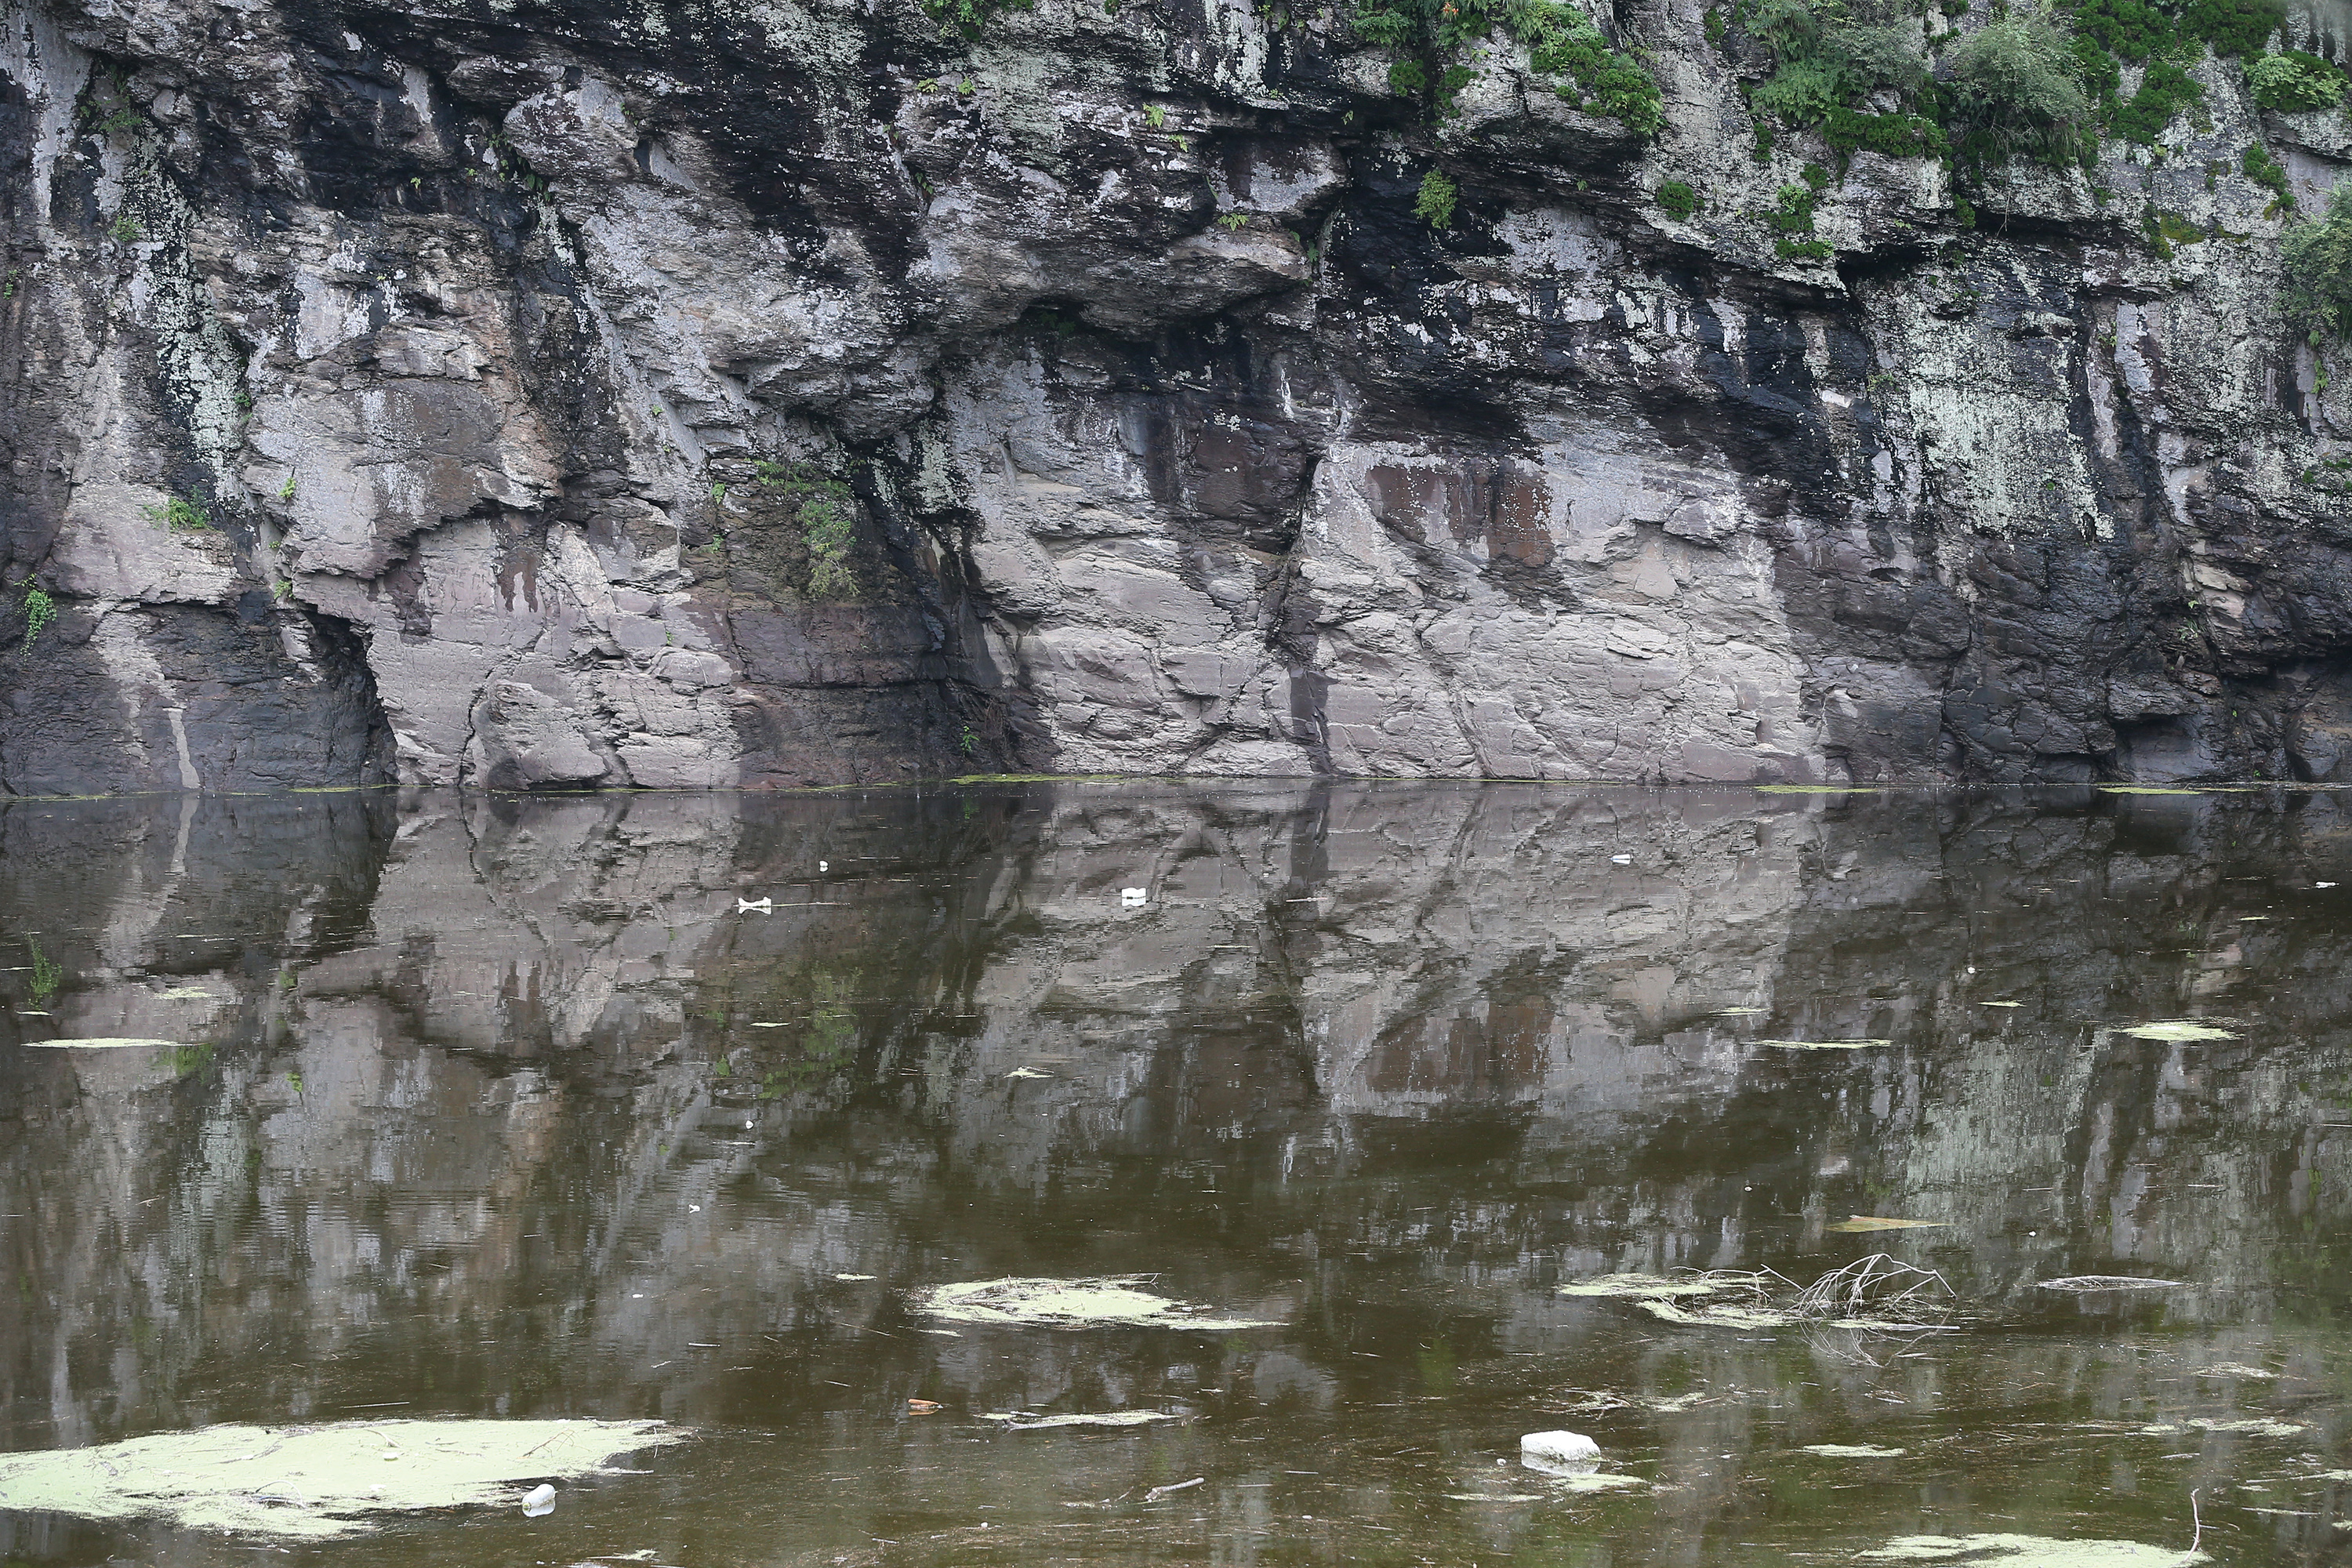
[600,393]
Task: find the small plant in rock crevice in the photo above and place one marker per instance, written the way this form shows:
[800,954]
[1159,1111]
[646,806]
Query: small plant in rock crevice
[2271,174]
[178,515]
[1793,216]
[822,508]
[39,611]
[1679,200]
[1433,203]
[968,17]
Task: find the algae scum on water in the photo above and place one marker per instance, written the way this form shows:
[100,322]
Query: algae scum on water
[316,1482]
[1113,1301]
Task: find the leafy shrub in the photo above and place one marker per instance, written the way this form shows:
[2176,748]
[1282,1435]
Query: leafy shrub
[1435,201]
[2128,29]
[1388,27]
[2319,271]
[1562,42]
[2016,86]
[1803,91]
[2292,80]
[2233,27]
[1822,62]
[1894,135]
[1679,200]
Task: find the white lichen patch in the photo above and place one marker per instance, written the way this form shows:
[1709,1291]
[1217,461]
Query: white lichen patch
[1110,1302]
[315,1482]
[2030,1552]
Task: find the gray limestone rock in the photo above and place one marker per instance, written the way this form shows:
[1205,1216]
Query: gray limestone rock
[625,395]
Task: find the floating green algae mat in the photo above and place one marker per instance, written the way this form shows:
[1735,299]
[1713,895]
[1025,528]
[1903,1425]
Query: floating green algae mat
[1111,1303]
[105,1045]
[2030,1552]
[1020,1420]
[1638,1287]
[315,1480]
[2164,789]
[2178,1029]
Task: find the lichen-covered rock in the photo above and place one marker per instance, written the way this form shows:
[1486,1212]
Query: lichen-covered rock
[569,393]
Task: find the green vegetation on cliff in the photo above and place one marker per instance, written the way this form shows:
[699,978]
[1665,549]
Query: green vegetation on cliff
[2319,271]
[1563,44]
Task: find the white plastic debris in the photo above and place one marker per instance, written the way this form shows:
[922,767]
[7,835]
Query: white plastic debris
[745,905]
[823,865]
[537,1501]
[1558,1453]
[1133,898]
[1621,860]
[2323,884]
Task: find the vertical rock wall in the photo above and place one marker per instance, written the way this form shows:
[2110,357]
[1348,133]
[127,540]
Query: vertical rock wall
[655,392]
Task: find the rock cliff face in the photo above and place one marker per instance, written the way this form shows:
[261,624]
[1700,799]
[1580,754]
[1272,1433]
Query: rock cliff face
[670,392]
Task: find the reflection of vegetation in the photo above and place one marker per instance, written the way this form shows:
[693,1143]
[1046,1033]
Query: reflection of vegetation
[46,976]
[810,1034]
[189,1059]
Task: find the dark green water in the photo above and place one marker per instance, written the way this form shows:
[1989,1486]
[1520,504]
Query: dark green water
[500,1108]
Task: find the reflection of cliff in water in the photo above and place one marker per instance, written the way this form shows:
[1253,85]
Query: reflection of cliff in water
[507,1095]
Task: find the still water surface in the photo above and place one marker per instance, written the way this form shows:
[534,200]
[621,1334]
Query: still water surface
[507,1109]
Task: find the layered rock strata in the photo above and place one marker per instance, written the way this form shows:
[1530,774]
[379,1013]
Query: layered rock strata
[573,394]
